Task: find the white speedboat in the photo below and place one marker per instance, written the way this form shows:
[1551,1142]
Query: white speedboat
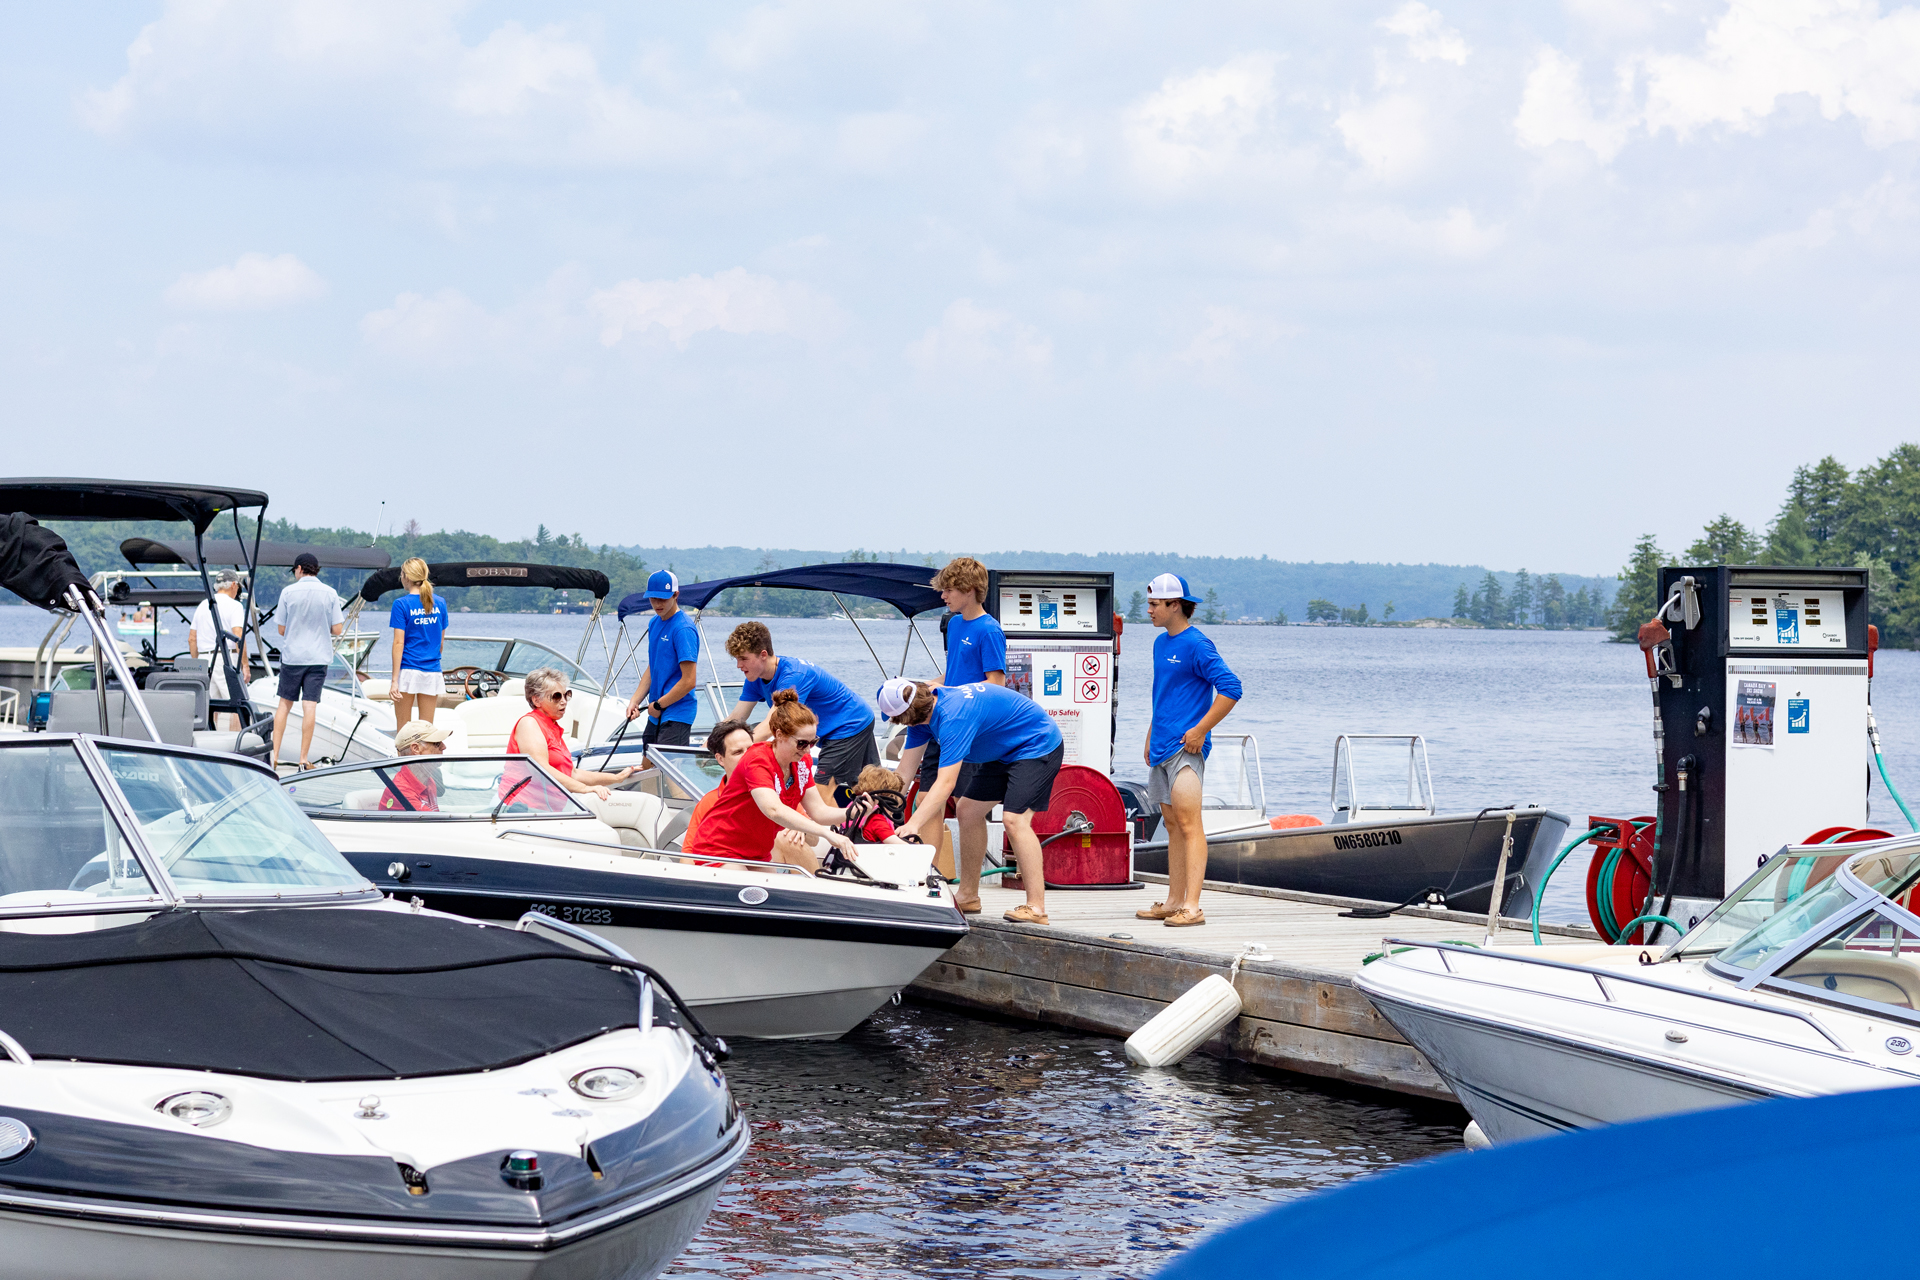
[224,1052]
[758,949]
[1805,981]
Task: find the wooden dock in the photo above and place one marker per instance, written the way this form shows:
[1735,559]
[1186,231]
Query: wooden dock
[1097,968]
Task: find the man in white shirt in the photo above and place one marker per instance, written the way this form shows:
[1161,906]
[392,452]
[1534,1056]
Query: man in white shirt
[200,637]
[310,617]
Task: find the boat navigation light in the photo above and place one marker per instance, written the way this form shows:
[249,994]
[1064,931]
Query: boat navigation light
[197,1107]
[603,1084]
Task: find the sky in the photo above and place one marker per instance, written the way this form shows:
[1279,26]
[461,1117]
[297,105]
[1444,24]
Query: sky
[1490,283]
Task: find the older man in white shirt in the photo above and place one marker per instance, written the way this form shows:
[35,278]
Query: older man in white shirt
[200,638]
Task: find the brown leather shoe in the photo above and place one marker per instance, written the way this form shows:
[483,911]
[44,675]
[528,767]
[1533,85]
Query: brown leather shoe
[1024,914]
[1185,917]
[967,906]
[1158,911]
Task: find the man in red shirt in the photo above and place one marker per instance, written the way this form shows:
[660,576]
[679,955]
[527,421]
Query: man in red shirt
[727,742]
[415,788]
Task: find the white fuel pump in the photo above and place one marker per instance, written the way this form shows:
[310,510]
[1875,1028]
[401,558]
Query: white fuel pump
[1062,643]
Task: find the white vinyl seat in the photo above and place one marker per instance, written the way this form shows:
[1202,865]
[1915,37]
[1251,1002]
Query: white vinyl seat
[365,799]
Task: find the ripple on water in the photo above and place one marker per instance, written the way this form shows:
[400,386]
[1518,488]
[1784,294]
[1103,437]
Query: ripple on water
[933,1144]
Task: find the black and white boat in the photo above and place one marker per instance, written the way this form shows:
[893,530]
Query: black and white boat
[224,1052]
[1386,842]
[759,949]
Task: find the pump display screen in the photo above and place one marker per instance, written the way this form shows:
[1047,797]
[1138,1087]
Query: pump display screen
[1048,609]
[1787,619]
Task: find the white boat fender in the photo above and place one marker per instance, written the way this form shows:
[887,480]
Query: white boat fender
[1202,1012]
[1475,1138]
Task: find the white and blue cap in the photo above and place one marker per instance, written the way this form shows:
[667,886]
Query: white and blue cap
[663,586]
[895,696]
[1171,586]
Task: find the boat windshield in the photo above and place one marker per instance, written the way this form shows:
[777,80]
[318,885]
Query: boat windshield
[434,787]
[526,656]
[225,830]
[1791,895]
[58,842]
[692,771]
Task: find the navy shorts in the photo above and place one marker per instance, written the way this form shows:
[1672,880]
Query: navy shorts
[844,757]
[1018,786]
[930,770]
[303,684]
[667,733]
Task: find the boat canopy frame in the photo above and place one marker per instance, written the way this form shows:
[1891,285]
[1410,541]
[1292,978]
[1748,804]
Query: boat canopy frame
[907,587]
[501,573]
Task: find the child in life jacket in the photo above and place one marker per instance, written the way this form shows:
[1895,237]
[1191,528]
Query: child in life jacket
[878,806]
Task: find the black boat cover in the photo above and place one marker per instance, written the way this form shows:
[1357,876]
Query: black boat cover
[495,573]
[73,498]
[235,555]
[35,563]
[306,994]
[907,587]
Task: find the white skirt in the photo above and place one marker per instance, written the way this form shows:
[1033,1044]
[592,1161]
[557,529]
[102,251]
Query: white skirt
[428,682]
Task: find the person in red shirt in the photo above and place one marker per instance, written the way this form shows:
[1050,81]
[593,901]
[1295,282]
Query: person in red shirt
[769,811]
[415,788]
[727,742]
[885,807]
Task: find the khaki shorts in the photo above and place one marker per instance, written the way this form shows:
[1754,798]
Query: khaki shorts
[1160,777]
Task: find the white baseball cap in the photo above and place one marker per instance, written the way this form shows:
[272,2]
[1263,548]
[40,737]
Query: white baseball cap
[414,732]
[1171,586]
[895,696]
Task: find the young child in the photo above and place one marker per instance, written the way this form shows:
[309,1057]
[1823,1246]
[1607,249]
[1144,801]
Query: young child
[879,805]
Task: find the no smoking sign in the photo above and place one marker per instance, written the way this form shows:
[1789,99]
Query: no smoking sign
[1090,689]
[1091,664]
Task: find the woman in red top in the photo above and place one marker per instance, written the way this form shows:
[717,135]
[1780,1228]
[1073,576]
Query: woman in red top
[538,734]
[769,808]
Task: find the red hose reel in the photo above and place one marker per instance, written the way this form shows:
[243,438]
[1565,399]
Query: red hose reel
[1085,837]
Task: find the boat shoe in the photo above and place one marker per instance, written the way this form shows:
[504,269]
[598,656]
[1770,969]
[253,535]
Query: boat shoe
[1184,917]
[1024,914]
[967,906]
[1158,911]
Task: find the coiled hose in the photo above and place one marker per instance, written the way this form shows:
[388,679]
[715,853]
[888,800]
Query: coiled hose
[1608,868]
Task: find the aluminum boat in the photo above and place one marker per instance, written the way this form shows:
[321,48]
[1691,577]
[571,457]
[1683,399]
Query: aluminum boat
[1805,981]
[759,949]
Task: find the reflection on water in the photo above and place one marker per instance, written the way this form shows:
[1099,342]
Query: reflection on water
[931,1143]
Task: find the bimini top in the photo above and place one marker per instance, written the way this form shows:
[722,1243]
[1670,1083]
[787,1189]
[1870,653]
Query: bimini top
[495,573]
[35,563]
[307,994]
[278,555]
[79,499]
[907,587]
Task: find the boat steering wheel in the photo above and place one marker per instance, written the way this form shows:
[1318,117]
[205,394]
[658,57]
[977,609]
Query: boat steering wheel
[489,682]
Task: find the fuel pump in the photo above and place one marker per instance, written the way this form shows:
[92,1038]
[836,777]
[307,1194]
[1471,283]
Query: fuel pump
[1762,726]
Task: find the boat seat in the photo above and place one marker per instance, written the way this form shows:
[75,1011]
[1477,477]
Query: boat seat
[1865,977]
[634,816]
[195,682]
[365,799]
[78,711]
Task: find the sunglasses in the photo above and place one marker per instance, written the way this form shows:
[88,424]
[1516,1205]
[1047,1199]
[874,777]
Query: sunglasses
[806,744]
[561,696]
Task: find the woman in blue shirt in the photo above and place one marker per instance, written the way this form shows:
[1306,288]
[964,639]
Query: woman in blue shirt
[1015,751]
[419,623]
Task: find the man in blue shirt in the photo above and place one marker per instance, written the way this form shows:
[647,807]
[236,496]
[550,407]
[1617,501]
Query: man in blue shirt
[976,652]
[846,726]
[673,648]
[1192,692]
[1014,750]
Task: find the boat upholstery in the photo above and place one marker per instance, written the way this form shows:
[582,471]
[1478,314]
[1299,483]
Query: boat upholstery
[1864,977]
[78,711]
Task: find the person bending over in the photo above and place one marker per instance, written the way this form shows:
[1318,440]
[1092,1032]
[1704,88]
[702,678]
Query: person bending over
[415,788]
[1192,692]
[846,726]
[769,811]
[726,743]
[1015,750]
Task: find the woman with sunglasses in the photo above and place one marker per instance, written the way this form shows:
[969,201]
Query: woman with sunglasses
[769,810]
[538,734]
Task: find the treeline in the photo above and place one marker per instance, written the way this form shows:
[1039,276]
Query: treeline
[1530,602]
[1868,519]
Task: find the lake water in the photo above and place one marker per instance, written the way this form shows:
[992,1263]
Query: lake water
[930,1143]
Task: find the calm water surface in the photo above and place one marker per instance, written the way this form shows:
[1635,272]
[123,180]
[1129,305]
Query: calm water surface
[929,1143]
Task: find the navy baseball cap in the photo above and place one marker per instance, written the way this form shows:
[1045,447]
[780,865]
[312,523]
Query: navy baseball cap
[663,586]
[1171,586]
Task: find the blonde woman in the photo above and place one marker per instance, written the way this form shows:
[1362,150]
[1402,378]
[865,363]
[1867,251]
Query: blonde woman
[419,624]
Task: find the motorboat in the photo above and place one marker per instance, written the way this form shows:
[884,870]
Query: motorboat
[759,949]
[227,1053]
[485,675]
[1804,981]
[1386,840]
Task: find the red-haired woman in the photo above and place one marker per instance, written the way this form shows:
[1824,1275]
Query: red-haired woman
[768,810]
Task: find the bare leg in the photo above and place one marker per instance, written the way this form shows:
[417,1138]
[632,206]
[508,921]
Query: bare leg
[280,727]
[424,705]
[403,708]
[794,849]
[1186,842]
[1030,857]
[309,713]
[973,844]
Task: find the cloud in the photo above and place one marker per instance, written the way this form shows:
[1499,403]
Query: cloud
[446,328]
[1554,108]
[1227,333]
[1389,135]
[1204,123]
[1428,36]
[255,282]
[973,337]
[734,301]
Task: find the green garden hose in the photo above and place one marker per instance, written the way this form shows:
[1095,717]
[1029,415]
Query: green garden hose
[1541,892]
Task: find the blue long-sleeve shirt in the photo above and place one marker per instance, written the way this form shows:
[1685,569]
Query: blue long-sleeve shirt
[1187,672]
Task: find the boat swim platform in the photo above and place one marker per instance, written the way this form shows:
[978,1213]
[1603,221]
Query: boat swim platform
[1301,1010]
